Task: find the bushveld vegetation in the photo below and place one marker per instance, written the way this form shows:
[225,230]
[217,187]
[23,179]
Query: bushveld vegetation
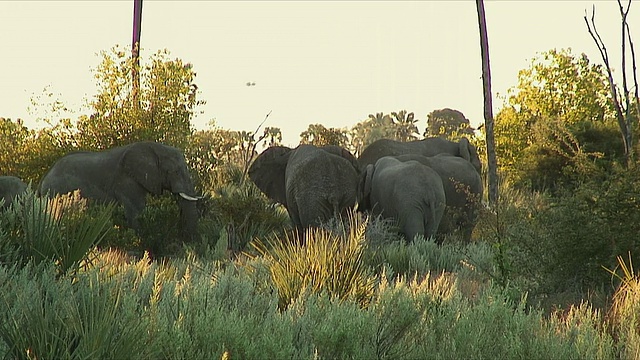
[548,274]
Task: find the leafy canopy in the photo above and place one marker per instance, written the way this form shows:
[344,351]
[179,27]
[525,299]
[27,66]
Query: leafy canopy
[540,131]
[167,102]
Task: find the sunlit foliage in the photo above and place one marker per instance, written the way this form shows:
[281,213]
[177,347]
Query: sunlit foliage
[167,101]
[448,123]
[541,129]
[318,135]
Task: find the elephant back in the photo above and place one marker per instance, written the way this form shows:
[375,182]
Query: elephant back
[320,183]
[426,147]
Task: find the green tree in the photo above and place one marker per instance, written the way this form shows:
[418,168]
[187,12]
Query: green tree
[28,153]
[216,148]
[167,102]
[404,126]
[448,123]
[13,136]
[538,131]
[317,134]
[399,126]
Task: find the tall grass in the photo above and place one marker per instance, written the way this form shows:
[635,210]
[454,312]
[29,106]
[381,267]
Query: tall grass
[624,314]
[320,261]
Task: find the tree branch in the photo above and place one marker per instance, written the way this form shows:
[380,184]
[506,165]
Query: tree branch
[614,94]
[634,72]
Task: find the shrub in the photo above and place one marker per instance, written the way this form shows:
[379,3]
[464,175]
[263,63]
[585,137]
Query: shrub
[61,229]
[48,317]
[245,214]
[318,261]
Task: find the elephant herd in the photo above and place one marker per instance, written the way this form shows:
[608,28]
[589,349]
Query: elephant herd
[430,187]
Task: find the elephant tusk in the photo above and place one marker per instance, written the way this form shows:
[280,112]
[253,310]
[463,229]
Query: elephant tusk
[187,197]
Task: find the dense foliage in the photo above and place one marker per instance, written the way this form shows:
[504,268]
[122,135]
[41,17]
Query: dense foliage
[557,123]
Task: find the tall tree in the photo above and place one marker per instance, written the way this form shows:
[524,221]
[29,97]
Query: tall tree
[448,123]
[167,102]
[400,126]
[492,162]
[404,126]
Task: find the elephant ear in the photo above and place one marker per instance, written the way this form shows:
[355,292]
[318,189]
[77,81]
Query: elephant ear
[268,170]
[140,162]
[464,149]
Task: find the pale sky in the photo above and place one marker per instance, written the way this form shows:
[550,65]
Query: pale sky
[328,62]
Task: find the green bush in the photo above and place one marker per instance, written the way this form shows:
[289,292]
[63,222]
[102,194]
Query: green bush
[46,317]
[245,214]
[62,230]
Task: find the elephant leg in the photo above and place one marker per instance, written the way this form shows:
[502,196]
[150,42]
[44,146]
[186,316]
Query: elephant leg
[467,223]
[188,219]
[412,226]
[294,215]
[132,209]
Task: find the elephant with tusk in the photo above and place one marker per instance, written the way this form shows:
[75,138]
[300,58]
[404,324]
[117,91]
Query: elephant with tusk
[126,174]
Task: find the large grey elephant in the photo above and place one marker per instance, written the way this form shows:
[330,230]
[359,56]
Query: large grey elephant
[463,189]
[313,183]
[126,175]
[426,147]
[408,192]
[10,187]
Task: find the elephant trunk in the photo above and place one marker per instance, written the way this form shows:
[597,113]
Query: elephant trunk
[188,219]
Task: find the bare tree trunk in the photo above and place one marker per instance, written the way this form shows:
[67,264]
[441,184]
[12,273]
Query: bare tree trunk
[135,51]
[492,162]
[623,112]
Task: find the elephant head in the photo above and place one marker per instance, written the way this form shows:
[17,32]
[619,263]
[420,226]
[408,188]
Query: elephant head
[10,188]
[313,183]
[426,147]
[126,175]
[158,168]
[408,192]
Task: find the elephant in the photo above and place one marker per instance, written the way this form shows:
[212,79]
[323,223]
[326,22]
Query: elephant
[313,183]
[408,192]
[427,147]
[10,188]
[125,175]
[463,189]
